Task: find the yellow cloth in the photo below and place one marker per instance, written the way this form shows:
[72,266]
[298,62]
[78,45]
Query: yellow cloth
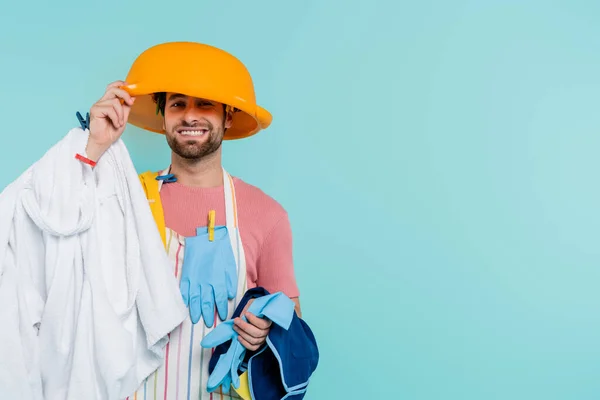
[150,185]
[244,390]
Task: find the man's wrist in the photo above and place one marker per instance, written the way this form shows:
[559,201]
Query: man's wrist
[94,150]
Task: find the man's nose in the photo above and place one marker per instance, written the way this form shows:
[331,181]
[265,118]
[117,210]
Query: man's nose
[191,115]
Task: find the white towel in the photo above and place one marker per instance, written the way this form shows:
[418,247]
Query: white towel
[82,261]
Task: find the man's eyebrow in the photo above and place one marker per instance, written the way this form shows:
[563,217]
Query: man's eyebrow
[176,96]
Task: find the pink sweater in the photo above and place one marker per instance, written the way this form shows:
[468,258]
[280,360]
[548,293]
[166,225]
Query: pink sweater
[263,222]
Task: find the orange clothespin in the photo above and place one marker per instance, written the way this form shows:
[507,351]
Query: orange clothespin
[211,225]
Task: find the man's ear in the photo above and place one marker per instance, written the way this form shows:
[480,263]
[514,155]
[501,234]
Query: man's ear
[228,119]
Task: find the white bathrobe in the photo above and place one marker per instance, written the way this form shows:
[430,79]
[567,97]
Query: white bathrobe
[87,294]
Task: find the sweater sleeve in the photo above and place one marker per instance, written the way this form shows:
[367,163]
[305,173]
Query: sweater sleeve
[275,265]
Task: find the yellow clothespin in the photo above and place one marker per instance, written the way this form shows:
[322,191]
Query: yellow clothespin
[211,225]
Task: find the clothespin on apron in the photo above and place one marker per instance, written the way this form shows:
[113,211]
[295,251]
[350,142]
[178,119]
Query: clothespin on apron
[211,225]
[166,178]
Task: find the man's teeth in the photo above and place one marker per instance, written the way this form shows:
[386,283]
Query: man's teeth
[194,133]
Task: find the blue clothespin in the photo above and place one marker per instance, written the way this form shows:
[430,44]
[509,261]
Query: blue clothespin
[167,178]
[85,123]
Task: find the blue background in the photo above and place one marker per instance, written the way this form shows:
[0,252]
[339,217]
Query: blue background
[439,161]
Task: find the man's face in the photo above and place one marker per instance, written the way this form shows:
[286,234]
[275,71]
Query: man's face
[194,127]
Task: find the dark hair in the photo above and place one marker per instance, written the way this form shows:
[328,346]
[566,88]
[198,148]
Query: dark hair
[160,99]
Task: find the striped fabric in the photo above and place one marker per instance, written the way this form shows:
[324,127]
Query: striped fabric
[184,374]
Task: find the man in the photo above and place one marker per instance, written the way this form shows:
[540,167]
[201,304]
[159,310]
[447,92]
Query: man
[190,189]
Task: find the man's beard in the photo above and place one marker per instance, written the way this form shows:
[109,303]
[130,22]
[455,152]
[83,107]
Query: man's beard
[191,149]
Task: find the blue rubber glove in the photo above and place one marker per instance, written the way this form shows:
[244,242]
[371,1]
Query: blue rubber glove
[228,364]
[209,275]
[277,307]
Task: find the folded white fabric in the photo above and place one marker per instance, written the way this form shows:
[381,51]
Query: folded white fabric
[87,294]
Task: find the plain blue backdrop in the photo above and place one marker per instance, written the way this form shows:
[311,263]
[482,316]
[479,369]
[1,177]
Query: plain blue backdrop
[439,162]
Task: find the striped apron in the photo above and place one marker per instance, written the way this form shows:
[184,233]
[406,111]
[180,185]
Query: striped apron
[184,373]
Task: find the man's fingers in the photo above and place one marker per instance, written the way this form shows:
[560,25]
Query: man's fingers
[248,338]
[114,118]
[247,345]
[248,304]
[115,84]
[109,92]
[119,110]
[108,111]
[251,329]
[123,94]
[119,94]
[118,114]
[258,322]
[127,110]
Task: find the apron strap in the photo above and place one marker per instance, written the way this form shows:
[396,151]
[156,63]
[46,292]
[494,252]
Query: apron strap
[231,218]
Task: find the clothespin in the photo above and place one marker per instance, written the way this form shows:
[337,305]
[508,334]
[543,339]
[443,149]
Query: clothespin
[166,178]
[211,225]
[85,123]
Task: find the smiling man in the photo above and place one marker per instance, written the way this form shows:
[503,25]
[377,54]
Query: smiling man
[198,138]
[194,195]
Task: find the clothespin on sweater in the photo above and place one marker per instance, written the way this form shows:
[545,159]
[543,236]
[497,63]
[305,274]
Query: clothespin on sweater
[169,178]
[211,225]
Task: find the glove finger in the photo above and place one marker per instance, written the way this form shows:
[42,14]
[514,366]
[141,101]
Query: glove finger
[228,260]
[195,303]
[184,288]
[221,369]
[208,305]
[216,377]
[231,280]
[221,300]
[226,384]
[238,356]
[222,333]
[235,379]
